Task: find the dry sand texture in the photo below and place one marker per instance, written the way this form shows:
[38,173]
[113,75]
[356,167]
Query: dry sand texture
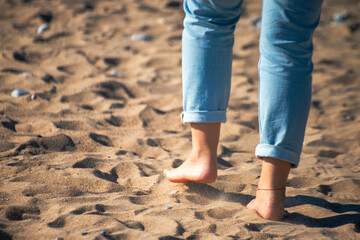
[82,154]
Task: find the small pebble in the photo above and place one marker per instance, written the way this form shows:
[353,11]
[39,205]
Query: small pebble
[161,21]
[33,97]
[84,233]
[336,178]
[43,28]
[19,92]
[341,17]
[141,37]
[167,207]
[114,73]
[173,192]
[102,232]
[25,74]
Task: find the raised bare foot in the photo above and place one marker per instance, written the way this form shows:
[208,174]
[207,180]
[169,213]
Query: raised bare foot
[269,204]
[202,165]
[193,170]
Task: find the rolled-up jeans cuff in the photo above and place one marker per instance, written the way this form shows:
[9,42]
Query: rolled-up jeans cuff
[266,150]
[203,117]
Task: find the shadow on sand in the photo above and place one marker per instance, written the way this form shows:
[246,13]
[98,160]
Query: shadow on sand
[347,213]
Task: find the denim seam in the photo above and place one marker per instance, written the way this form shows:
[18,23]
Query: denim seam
[278,152]
[219,115]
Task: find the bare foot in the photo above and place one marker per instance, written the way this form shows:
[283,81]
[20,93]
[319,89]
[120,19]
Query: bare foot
[193,171]
[202,165]
[269,204]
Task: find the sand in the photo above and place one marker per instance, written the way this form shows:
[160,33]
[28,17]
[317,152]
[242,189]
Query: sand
[82,155]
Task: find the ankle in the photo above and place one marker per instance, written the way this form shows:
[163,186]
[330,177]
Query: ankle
[203,153]
[271,196]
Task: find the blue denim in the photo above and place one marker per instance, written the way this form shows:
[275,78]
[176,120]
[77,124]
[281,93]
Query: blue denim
[285,68]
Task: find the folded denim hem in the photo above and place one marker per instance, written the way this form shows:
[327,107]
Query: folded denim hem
[203,117]
[266,150]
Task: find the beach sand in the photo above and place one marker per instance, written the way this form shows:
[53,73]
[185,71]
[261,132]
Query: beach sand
[82,155]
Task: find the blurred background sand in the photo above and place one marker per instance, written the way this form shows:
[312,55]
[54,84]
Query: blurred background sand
[82,154]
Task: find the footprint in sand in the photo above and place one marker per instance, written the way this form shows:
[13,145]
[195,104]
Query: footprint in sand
[220,213]
[117,105]
[47,95]
[57,143]
[325,141]
[101,139]
[81,210]
[78,98]
[112,177]
[134,225]
[166,227]
[124,152]
[16,213]
[114,90]
[57,223]
[137,169]
[302,182]
[115,121]
[329,153]
[64,191]
[88,163]
[68,125]
[199,200]
[143,200]
[150,115]
[152,143]
[346,190]
[100,207]
[5,145]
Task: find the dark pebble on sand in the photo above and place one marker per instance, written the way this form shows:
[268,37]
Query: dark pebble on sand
[48,79]
[112,62]
[18,56]
[151,143]
[45,16]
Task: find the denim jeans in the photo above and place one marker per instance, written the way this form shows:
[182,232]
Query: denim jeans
[285,68]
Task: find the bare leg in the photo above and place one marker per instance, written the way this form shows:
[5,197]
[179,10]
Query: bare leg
[269,204]
[202,164]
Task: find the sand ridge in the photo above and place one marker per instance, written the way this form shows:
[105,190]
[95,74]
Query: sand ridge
[81,156]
